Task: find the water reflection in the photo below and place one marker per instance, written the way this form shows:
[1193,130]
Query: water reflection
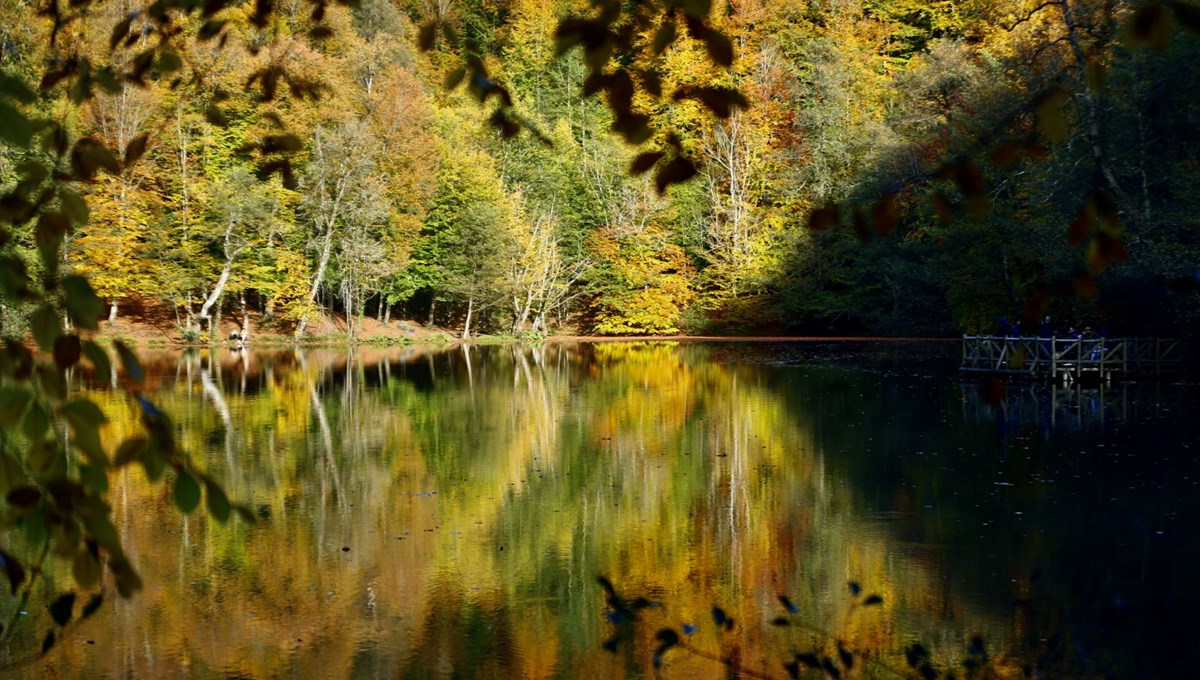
[1047,407]
[445,514]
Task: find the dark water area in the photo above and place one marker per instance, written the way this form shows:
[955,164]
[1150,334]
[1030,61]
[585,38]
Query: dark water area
[430,514]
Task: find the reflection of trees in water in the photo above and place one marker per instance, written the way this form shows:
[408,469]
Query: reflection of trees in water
[486,487]
[1050,406]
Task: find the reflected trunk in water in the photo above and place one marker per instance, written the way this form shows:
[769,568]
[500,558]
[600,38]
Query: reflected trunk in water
[446,513]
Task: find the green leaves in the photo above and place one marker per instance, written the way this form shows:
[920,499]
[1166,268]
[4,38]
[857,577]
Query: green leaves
[89,157]
[45,326]
[135,149]
[186,493]
[85,567]
[129,361]
[85,419]
[13,402]
[84,308]
[218,503]
[67,350]
[15,127]
[99,358]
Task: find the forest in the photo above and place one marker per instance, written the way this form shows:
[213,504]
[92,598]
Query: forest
[895,167]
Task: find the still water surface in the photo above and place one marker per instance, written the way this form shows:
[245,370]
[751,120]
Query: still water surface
[435,514]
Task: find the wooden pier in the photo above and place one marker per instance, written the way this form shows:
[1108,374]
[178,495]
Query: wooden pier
[1069,359]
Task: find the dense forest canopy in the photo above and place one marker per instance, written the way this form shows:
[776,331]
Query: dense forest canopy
[1033,157]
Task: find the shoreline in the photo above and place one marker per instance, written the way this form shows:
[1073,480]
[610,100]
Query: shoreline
[280,342]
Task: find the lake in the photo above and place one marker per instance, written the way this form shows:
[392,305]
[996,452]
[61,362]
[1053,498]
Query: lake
[428,513]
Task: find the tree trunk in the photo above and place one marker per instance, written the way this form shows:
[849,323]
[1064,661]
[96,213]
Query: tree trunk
[112,310]
[432,306]
[387,314]
[466,333]
[206,308]
[326,249]
[245,316]
[1092,126]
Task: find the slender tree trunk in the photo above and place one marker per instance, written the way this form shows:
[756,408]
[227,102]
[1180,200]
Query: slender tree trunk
[215,295]
[387,314]
[432,306]
[326,249]
[245,316]
[112,310]
[1090,108]
[466,333]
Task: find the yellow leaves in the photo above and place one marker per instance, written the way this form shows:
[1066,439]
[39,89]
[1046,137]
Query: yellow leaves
[649,284]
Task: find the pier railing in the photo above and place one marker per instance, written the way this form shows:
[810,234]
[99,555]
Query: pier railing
[1068,358]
